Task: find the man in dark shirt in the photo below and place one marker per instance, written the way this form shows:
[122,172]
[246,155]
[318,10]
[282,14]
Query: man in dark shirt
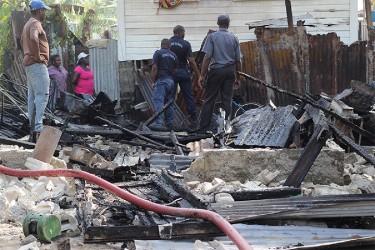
[182,48]
[164,64]
[223,58]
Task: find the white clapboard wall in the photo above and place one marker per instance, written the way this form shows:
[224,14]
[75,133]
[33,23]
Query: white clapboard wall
[142,24]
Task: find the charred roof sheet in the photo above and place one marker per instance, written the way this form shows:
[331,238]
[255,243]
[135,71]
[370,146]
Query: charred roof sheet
[264,127]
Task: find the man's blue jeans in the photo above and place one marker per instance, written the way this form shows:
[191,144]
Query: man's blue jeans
[163,93]
[37,93]
[183,78]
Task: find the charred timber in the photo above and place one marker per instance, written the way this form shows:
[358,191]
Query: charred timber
[311,150]
[350,143]
[132,133]
[364,132]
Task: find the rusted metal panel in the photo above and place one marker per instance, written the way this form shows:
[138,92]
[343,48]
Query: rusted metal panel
[253,65]
[300,63]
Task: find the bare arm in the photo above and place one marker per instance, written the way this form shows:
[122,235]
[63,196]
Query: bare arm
[206,63]
[154,71]
[194,65]
[75,78]
[35,51]
[237,84]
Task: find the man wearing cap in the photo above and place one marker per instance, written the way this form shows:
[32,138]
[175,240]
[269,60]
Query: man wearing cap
[220,67]
[182,49]
[36,55]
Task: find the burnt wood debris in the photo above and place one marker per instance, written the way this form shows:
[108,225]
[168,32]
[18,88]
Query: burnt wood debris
[308,160]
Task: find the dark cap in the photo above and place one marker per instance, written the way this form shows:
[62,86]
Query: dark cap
[223,19]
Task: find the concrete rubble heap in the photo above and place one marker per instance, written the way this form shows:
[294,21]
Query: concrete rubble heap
[306,164]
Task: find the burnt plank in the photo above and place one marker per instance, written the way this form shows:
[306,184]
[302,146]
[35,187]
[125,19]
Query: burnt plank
[311,150]
[9,141]
[349,142]
[184,230]
[178,185]
[271,193]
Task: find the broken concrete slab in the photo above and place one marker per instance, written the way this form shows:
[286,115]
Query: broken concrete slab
[246,164]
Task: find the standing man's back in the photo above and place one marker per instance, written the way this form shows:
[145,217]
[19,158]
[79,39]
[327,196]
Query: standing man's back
[36,55]
[164,64]
[182,49]
[221,66]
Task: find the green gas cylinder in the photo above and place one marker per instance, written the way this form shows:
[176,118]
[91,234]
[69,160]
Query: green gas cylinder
[43,226]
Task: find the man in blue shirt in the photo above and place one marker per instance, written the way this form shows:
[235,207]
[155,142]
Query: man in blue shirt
[164,64]
[182,49]
[222,61]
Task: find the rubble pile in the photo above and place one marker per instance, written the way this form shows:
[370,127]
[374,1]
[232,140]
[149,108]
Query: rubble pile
[311,162]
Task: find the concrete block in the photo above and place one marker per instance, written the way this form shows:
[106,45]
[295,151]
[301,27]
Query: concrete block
[15,212]
[27,201]
[192,184]
[29,239]
[369,170]
[13,192]
[246,164]
[58,163]
[34,164]
[266,176]
[4,203]
[29,182]
[216,181]
[223,198]
[30,246]
[68,219]
[333,189]
[207,188]
[367,185]
[46,207]
[14,157]
[252,185]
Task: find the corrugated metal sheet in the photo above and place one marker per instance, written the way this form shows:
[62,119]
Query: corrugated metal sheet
[158,161]
[264,127]
[144,83]
[275,237]
[300,63]
[104,64]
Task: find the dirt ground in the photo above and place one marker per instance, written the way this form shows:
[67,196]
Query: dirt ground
[11,237]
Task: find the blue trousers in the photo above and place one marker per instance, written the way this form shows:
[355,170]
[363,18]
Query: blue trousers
[183,79]
[37,93]
[163,93]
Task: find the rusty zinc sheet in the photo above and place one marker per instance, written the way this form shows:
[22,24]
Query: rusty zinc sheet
[264,127]
[300,63]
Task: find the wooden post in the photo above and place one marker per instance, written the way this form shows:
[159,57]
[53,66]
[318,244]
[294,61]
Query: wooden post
[46,144]
[370,43]
[289,14]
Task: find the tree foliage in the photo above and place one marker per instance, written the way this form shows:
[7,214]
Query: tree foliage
[75,13]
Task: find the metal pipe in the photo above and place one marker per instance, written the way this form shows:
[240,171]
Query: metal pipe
[217,219]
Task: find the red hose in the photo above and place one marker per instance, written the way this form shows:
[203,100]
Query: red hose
[217,219]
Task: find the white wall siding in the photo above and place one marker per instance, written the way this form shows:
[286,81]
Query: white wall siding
[142,24]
